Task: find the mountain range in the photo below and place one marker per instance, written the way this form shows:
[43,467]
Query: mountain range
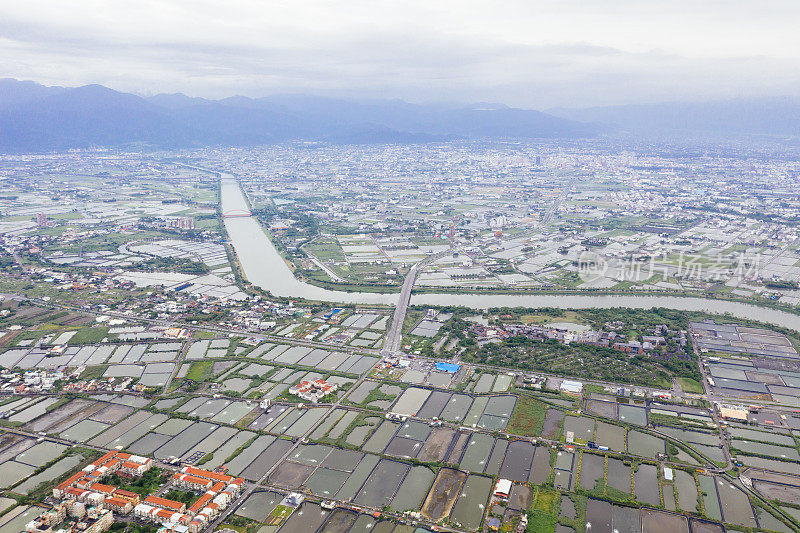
[736,117]
[35,117]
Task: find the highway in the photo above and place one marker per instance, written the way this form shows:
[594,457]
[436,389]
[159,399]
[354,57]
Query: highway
[392,345]
[395,334]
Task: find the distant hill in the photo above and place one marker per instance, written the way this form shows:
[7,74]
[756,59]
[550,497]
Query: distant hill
[176,100]
[35,118]
[766,116]
[87,116]
[15,93]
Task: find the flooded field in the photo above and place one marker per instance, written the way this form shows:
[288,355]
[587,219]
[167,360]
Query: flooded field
[434,405]
[540,472]
[602,408]
[781,492]
[442,497]
[562,472]
[342,424]
[411,401]
[552,423]
[475,411]
[619,475]
[477,452]
[687,490]
[625,519]
[611,436]
[358,477]
[496,459]
[436,445]
[457,448]
[520,497]
[581,427]
[326,482]
[709,495]
[259,504]
[309,517]
[497,412]
[633,415]
[359,434]
[592,471]
[518,460]
[52,418]
[339,521]
[736,507]
[386,470]
[259,457]
[770,450]
[360,393]
[290,475]
[413,490]
[645,484]
[769,464]
[701,526]
[645,445]
[471,504]
[763,436]
[382,484]
[599,515]
[457,408]
[658,522]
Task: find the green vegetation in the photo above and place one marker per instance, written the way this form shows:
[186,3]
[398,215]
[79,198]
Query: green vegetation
[579,360]
[527,417]
[589,388]
[655,368]
[183,496]
[148,483]
[411,320]
[540,522]
[376,395]
[200,370]
[543,511]
[239,524]
[690,386]
[89,335]
[133,527]
[94,372]
[279,514]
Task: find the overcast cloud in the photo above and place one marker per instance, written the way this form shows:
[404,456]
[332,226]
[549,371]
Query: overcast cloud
[535,54]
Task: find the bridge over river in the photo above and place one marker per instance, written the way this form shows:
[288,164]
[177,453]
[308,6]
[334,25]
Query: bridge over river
[264,267]
[235,213]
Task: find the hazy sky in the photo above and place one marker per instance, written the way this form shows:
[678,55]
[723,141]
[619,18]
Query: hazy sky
[528,53]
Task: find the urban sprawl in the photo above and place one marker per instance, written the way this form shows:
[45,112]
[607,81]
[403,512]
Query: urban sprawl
[567,337]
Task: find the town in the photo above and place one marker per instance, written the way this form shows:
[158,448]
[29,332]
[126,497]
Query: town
[448,338]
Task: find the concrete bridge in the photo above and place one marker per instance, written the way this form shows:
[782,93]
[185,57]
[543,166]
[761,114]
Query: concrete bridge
[236,213]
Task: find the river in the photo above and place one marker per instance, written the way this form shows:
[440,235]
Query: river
[264,267]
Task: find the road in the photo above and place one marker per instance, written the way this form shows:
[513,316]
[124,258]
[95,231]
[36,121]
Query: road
[224,331]
[395,334]
[262,484]
[314,259]
[178,363]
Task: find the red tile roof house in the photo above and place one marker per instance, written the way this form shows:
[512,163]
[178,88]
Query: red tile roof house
[163,503]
